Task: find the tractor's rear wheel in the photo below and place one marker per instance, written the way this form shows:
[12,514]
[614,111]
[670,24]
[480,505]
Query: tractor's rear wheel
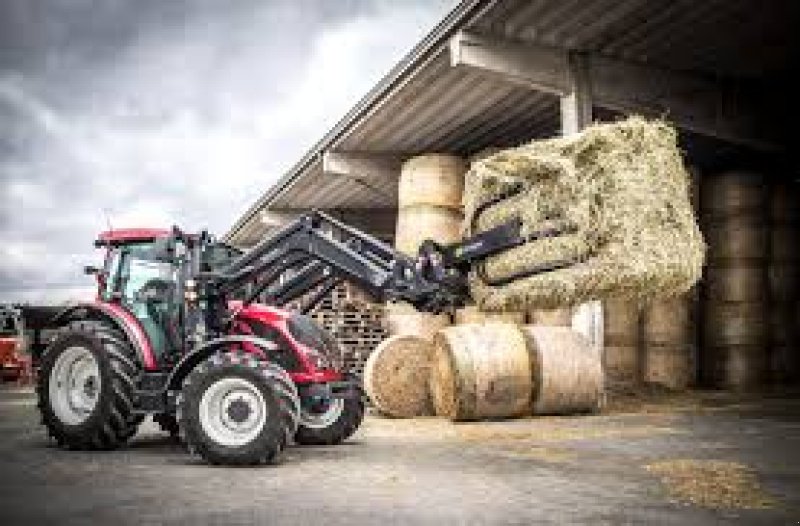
[236,409]
[86,385]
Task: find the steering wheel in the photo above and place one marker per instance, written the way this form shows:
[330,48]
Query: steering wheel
[155,290]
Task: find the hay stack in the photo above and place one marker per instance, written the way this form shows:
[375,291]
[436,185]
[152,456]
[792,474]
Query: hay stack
[784,282]
[404,319]
[567,369]
[736,309]
[625,189]
[481,371]
[429,207]
[472,314]
[396,376]
[622,341]
[668,357]
[551,317]
[429,201]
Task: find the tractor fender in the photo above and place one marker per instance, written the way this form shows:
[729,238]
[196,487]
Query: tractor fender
[120,318]
[256,345]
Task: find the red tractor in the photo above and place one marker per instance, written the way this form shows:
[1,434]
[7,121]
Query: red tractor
[176,333]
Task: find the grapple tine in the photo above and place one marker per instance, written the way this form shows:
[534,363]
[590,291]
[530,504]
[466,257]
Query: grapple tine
[513,190]
[560,228]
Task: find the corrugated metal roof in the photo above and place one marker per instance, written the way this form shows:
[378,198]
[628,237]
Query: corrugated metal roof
[426,105]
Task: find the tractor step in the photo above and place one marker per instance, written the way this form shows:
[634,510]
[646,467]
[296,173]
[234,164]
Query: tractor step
[151,395]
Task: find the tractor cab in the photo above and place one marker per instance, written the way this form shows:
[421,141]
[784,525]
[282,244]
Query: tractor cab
[142,272]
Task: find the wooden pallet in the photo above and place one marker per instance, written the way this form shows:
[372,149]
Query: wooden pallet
[355,322]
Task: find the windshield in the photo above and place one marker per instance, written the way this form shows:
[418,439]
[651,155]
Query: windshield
[132,266]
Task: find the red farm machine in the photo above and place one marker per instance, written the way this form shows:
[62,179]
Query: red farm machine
[175,333]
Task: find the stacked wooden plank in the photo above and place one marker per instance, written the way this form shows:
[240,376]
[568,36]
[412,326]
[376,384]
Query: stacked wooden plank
[355,323]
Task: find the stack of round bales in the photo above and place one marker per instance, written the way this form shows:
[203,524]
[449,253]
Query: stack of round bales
[622,342]
[429,201]
[736,301]
[784,281]
[668,350]
[429,207]
[501,370]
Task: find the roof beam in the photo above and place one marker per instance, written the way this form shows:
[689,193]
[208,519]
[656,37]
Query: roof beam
[378,173]
[544,68]
[362,165]
[700,104]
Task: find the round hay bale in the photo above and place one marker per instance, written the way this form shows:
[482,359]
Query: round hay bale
[732,193]
[736,324]
[404,319]
[472,314]
[621,363]
[551,317]
[621,336]
[621,321]
[416,223]
[736,367]
[668,321]
[396,376]
[568,371]
[737,281]
[737,237]
[481,371]
[671,366]
[433,179]
[668,351]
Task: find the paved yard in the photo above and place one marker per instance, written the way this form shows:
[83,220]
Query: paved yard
[700,459]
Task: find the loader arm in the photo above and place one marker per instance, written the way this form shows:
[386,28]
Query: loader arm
[316,251]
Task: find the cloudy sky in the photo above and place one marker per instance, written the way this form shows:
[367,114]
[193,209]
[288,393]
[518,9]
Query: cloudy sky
[153,113]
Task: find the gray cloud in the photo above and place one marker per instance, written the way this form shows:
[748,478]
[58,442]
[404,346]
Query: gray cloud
[155,113]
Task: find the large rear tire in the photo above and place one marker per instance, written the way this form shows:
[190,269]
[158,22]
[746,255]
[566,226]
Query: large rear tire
[86,385]
[331,424]
[235,409]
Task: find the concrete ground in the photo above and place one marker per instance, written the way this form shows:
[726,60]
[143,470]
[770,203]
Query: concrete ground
[587,469]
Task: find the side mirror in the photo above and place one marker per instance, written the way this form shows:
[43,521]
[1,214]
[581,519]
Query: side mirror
[98,273]
[89,270]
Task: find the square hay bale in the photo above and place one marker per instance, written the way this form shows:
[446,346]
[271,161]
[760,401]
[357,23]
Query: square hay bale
[624,190]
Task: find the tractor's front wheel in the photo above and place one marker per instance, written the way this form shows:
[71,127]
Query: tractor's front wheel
[86,385]
[236,409]
[329,422]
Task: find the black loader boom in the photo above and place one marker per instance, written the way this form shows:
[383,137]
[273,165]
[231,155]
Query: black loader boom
[309,256]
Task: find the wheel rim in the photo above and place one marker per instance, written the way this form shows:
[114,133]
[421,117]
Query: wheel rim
[75,384]
[232,411]
[324,418]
